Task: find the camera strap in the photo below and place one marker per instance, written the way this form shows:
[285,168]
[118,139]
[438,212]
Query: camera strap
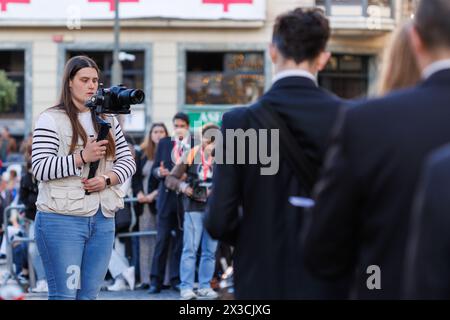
[292,152]
[104,127]
[206,165]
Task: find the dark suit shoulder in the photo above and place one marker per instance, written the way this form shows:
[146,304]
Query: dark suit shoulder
[439,159]
[165,142]
[391,104]
[331,96]
[235,118]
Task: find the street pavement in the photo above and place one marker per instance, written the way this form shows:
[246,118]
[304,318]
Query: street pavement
[168,294]
[165,294]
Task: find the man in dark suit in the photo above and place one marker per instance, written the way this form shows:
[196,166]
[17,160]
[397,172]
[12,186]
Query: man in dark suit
[427,264]
[170,150]
[364,198]
[266,233]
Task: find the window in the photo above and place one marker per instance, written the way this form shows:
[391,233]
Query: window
[409,7]
[13,63]
[133,71]
[380,8]
[346,76]
[223,78]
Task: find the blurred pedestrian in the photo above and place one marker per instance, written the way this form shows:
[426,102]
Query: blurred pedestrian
[8,144]
[399,66]
[146,209]
[27,196]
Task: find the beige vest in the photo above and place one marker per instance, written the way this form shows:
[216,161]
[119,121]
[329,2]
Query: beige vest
[67,196]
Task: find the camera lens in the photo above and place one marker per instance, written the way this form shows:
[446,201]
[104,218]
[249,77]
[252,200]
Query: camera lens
[137,96]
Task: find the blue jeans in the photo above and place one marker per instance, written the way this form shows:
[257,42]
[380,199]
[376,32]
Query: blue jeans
[194,233]
[75,252]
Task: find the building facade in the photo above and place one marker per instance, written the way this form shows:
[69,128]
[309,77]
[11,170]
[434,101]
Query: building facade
[203,62]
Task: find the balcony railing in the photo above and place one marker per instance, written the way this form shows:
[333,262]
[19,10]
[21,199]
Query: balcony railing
[360,14]
[365,8]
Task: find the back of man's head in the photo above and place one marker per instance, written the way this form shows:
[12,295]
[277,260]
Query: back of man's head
[301,34]
[432,22]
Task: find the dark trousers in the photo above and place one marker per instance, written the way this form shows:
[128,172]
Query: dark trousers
[169,233]
[20,256]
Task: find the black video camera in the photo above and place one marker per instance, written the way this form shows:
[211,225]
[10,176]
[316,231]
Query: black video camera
[115,100]
[200,190]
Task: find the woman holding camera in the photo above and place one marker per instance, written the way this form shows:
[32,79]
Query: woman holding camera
[75,230]
[193,177]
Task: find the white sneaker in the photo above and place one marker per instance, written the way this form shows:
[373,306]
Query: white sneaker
[207,293]
[187,294]
[41,286]
[119,285]
[23,279]
[129,276]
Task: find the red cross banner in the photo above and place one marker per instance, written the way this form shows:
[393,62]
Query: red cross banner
[61,10]
[226,3]
[112,3]
[4,3]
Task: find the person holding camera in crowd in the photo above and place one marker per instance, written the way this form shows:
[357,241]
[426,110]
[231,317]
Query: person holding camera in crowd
[197,168]
[75,229]
[170,151]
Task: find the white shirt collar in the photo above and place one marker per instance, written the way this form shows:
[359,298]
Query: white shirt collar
[294,73]
[435,67]
[183,142]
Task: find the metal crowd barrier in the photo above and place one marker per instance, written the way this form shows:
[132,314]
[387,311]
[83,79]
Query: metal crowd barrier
[136,233]
[9,248]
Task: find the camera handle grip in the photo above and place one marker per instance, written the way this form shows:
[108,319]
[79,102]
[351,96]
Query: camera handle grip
[102,134]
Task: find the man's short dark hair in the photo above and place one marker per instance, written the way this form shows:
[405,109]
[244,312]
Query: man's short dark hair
[432,22]
[181,116]
[301,34]
[209,126]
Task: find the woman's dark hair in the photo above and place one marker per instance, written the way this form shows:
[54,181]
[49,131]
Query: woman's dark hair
[301,34]
[74,65]
[148,147]
[181,116]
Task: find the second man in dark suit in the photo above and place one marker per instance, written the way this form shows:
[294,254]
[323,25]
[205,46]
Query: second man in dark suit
[364,199]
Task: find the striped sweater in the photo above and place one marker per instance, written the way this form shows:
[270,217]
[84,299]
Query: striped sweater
[47,165]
